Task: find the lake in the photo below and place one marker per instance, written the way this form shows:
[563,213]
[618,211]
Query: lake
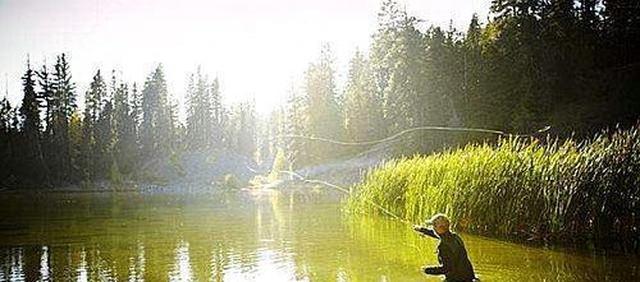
[248,236]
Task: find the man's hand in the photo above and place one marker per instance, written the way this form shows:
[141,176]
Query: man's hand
[425,231]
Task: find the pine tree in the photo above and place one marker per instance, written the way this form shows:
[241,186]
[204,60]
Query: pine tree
[324,117]
[5,117]
[63,106]
[34,168]
[93,108]
[397,59]
[363,106]
[7,142]
[125,139]
[104,135]
[382,58]
[45,98]
[296,125]
[217,111]
[136,112]
[156,130]
[470,101]
[244,130]
[200,118]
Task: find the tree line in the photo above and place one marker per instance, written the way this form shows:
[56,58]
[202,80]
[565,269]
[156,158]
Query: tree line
[569,64]
[47,141]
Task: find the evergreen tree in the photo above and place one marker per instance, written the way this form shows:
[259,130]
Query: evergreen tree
[156,126]
[34,168]
[323,114]
[200,118]
[217,112]
[295,123]
[5,117]
[471,101]
[8,142]
[93,108]
[125,133]
[246,126]
[136,112]
[105,131]
[363,106]
[63,105]
[45,98]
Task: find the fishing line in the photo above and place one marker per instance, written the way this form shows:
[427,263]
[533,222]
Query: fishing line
[388,140]
[344,190]
[410,130]
[392,138]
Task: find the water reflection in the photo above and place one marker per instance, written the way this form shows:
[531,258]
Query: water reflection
[218,263]
[12,266]
[136,265]
[286,236]
[44,265]
[82,268]
[182,267]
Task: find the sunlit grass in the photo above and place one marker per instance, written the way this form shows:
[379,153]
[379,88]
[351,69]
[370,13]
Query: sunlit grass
[520,188]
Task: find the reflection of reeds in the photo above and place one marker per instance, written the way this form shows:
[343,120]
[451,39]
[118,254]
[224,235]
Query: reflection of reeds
[559,190]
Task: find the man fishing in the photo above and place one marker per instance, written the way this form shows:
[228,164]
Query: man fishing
[452,255]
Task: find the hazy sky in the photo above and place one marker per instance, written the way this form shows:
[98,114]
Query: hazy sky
[256,48]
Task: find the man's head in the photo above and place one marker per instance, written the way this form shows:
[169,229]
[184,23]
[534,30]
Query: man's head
[440,223]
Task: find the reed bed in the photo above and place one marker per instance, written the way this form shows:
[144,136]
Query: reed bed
[543,190]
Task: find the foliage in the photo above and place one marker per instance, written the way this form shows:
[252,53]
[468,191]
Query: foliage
[119,135]
[540,189]
[569,64]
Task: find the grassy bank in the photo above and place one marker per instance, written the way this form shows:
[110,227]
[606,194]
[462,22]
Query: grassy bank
[559,191]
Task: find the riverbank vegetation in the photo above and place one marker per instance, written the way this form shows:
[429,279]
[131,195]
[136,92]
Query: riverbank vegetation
[522,188]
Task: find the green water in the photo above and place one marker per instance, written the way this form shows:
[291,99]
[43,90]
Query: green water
[267,236]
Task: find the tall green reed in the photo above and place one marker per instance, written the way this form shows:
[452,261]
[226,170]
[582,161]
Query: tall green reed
[547,190]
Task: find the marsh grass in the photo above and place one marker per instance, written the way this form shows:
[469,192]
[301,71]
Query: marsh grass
[542,190]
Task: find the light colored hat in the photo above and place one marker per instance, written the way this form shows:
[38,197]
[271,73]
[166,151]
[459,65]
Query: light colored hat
[439,220]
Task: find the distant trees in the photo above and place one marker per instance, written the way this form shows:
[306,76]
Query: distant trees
[156,126]
[125,144]
[33,167]
[63,106]
[322,110]
[363,104]
[92,111]
[46,141]
[204,121]
[569,64]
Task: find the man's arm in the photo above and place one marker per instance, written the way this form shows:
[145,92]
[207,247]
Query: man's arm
[426,231]
[445,259]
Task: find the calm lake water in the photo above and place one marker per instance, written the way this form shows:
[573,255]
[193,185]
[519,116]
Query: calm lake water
[266,236]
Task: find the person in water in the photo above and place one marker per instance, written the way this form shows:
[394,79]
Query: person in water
[454,262]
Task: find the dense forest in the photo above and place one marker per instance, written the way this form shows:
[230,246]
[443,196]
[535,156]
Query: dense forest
[47,140]
[572,65]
